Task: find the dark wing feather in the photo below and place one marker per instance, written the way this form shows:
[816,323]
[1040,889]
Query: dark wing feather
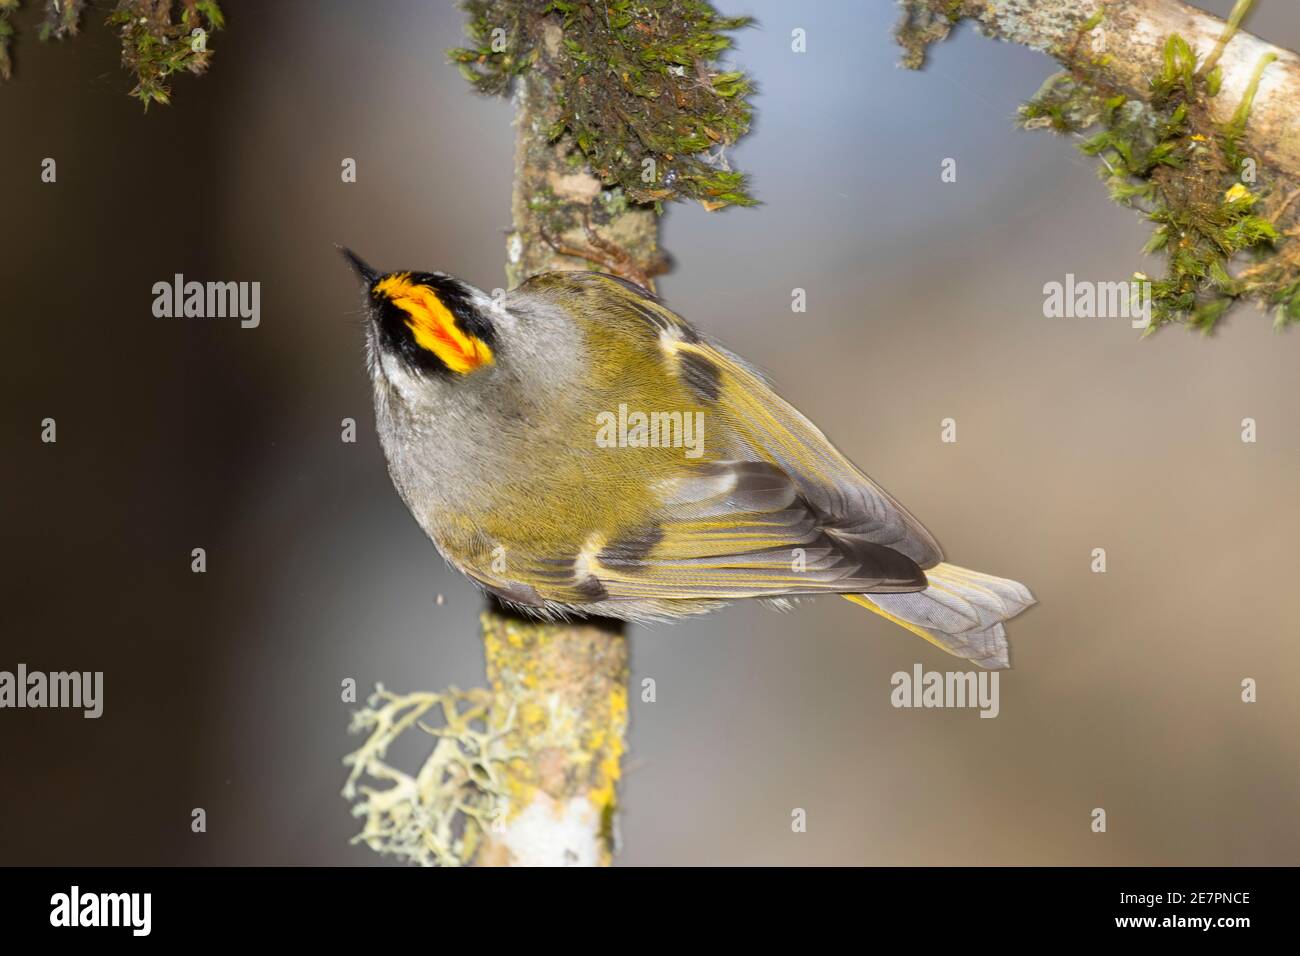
[737,529]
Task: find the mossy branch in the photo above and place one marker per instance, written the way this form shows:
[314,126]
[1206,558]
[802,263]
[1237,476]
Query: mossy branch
[160,38]
[1196,124]
[636,86]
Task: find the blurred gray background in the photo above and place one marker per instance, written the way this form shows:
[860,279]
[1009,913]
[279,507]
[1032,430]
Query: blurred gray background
[924,302]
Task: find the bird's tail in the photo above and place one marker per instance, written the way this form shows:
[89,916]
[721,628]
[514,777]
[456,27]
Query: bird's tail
[961,611]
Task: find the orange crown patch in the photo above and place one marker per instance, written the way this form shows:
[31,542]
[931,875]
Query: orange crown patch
[433,325]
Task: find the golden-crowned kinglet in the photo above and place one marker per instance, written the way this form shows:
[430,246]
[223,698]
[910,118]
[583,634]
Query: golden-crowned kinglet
[575,448]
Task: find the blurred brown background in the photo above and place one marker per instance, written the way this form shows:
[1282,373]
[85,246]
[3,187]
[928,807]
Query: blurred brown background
[925,302]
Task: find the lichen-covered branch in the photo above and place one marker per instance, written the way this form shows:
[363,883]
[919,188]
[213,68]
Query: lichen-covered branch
[567,686]
[1196,123]
[522,773]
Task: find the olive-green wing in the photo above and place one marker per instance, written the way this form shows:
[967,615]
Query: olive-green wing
[765,427]
[724,530]
[774,509]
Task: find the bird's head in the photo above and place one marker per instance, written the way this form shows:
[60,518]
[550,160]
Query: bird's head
[429,323]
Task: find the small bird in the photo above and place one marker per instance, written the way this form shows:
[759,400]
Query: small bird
[577,448]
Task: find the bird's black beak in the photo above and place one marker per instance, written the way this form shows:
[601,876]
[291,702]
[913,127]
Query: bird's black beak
[367,274]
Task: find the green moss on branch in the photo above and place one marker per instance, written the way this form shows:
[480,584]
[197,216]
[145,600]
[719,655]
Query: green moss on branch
[1218,181]
[158,42]
[638,87]
[1166,156]
[160,38]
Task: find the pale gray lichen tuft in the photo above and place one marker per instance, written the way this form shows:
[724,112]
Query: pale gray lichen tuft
[439,815]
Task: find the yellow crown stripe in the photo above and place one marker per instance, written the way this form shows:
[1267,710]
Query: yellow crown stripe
[433,325]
